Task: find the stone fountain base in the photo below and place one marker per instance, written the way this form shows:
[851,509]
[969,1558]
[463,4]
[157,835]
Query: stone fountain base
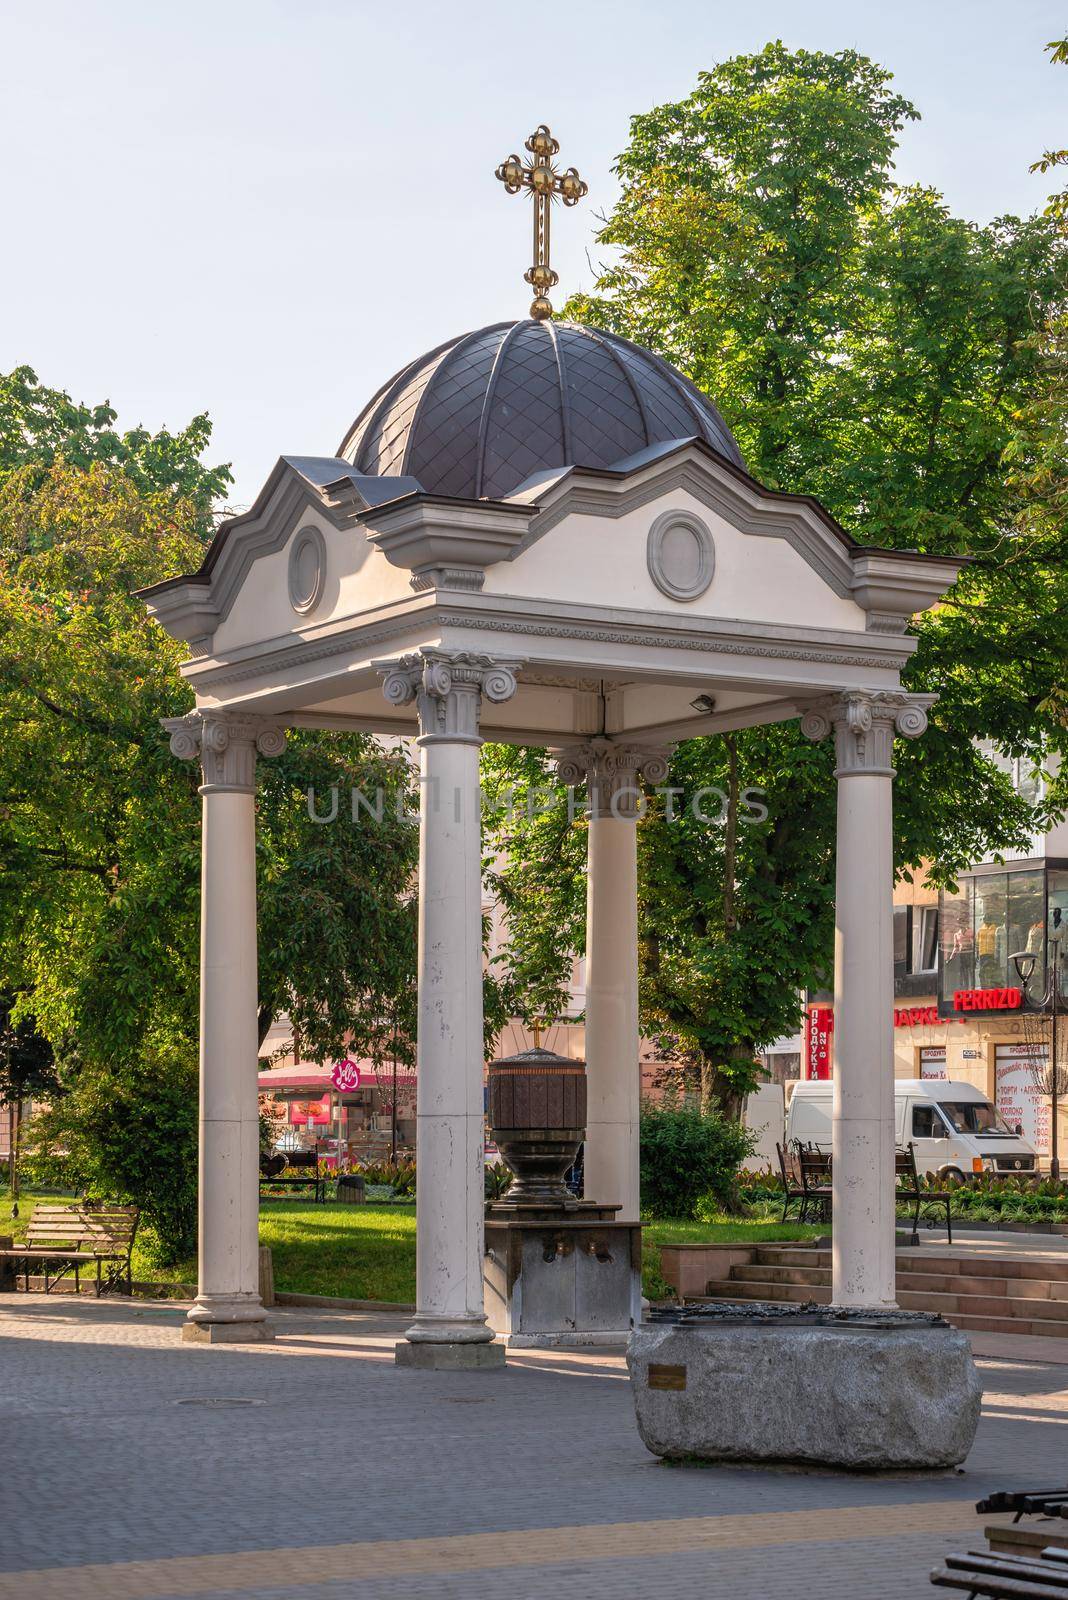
[811,1385]
[561,1277]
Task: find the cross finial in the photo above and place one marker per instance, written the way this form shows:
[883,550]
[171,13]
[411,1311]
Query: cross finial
[545,185]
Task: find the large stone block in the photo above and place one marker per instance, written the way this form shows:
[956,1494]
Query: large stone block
[864,1398]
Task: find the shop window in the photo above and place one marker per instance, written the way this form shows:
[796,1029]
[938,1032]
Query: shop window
[990,914]
[923,941]
[958,942]
[992,917]
[1027,924]
[901,944]
[1057,912]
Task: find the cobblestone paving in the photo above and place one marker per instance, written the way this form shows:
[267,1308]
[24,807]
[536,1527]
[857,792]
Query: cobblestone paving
[313,1469]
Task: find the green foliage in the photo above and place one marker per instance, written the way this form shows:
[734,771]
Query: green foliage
[100,825]
[127,1134]
[27,1062]
[909,368]
[498,1180]
[40,426]
[399,1175]
[535,869]
[686,1155]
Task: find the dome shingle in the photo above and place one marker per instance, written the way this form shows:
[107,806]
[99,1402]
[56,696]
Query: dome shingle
[480,414]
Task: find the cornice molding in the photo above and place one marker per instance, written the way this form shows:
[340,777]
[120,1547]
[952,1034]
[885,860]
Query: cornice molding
[708,636]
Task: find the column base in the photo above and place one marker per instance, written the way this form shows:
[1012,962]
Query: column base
[449,1357]
[227,1332]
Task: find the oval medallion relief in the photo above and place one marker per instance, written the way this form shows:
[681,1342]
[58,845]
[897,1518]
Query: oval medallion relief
[681,555]
[307,570]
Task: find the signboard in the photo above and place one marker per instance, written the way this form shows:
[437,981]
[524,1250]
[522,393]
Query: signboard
[915,1016]
[310,1113]
[1018,1097]
[933,1061]
[345,1076]
[987,999]
[819,1025]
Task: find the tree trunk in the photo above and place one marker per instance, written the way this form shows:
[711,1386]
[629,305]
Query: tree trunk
[730,838]
[719,1089]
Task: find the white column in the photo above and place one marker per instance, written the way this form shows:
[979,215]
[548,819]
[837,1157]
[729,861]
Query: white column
[450,1193]
[863,1132]
[228,1305]
[613,1072]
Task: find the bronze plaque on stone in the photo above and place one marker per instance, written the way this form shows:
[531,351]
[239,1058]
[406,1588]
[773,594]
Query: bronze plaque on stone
[662,1376]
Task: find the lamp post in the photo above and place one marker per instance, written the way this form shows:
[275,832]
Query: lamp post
[1025,961]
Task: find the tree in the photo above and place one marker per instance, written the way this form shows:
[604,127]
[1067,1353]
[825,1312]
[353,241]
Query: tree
[40,426]
[99,906]
[99,824]
[867,346]
[27,1068]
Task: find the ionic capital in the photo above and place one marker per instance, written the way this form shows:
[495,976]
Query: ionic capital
[448,687]
[226,746]
[864,723]
[612,772]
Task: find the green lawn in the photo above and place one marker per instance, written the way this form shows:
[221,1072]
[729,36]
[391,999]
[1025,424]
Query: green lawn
[353,1252]
[727,1230]
[368,1252]
[357,1252]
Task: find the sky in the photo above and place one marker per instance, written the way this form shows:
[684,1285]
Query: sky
[264,209]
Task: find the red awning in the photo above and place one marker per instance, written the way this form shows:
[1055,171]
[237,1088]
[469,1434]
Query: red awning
[308,1075]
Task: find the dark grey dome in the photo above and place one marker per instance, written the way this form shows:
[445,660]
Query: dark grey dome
[479,415]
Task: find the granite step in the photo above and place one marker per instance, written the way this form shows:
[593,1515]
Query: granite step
[924,1282]
[990,1313]
[971,1320]
[1045,1269]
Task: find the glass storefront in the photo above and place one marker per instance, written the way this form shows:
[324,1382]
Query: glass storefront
[992,917]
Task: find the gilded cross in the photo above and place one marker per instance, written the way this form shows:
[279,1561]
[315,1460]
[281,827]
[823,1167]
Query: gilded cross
[546,185]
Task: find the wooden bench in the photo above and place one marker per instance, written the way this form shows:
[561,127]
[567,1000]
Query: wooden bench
[908,1182]
[981,1572]
[309,1159]
[1027,1502]
[62,1239]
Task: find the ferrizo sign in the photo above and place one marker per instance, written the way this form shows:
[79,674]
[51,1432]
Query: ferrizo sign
[987,999]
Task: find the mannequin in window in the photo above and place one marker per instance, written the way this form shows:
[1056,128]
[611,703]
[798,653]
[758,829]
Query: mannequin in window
[986,947]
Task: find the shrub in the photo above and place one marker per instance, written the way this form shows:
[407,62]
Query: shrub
[128,1134]
[399,1175]
[686,1156]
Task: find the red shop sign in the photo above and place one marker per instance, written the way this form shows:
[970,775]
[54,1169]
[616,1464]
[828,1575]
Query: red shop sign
[987,999]
[915,1016]
[819,1025]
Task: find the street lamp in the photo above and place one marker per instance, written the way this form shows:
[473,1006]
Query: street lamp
[1025,962]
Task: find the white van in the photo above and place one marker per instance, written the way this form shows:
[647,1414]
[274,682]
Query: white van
[952,1127]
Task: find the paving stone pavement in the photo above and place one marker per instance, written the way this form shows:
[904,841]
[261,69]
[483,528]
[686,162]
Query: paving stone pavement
[138,1468]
